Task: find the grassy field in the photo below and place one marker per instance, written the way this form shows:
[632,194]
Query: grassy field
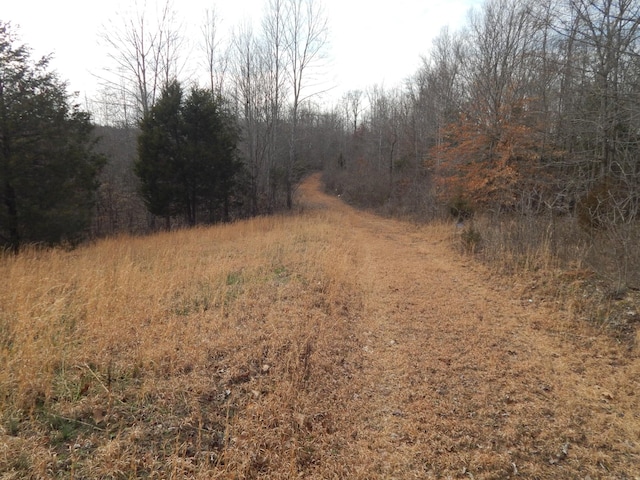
[186,353]
[326,344]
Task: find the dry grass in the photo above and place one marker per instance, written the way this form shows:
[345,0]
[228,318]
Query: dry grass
[329,344]
[137,356]
[555,260]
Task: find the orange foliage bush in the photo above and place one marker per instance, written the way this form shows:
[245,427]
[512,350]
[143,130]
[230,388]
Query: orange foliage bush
[488,162]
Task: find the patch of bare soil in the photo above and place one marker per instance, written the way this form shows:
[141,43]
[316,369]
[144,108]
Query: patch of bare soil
[454,376]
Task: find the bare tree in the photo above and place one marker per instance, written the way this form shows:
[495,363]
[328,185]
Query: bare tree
[216,62]
[305,35]
[145,51]
[497,61]
[438,89]
[352,102]
[273,26]
[171,44]
[611,31]
[247,73]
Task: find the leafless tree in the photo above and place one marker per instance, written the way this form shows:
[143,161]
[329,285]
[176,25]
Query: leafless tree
[145,49]
[610,30]
[273,26]
[216,61]
[248,75]
[305,35]
[352,104]
[496,63]
[439,87]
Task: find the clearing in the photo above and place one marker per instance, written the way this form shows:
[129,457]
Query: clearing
[329,344]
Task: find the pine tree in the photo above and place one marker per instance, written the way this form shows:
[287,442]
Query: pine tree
[48,169]
[159,146]
[187,161]
[212,137]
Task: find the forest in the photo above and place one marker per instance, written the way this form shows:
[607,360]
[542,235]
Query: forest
[523,125]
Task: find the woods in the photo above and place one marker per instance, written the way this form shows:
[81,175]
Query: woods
[527,114]
[529,107]
[48,167]
[529,110]
[261,77]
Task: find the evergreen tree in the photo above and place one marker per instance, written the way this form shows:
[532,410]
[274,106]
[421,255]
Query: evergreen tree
[48,169]
[159,146]
[187,161]
[212,136]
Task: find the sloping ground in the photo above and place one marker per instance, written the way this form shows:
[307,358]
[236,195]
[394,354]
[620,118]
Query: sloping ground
[329,344]
[459,377]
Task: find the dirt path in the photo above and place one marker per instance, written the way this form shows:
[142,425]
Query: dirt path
[458,377]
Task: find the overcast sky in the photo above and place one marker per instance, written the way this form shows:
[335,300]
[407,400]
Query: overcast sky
[371,42]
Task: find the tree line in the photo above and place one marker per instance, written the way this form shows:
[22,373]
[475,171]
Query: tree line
[261,75]
[525,120]
[530,108]
[50,164]
[167,151]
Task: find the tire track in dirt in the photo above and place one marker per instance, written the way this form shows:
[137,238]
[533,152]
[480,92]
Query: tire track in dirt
[459,378]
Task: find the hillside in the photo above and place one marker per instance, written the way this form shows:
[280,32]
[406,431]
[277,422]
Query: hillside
[328,344]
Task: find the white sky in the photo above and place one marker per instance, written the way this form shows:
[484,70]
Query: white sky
[371,42]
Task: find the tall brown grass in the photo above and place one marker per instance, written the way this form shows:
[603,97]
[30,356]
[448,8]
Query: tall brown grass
[596,272]
[180,354]
[329,344]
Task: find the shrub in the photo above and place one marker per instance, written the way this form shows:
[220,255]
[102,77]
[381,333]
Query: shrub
[607,204]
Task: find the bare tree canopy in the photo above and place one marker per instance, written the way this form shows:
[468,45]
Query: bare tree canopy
[146,51]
